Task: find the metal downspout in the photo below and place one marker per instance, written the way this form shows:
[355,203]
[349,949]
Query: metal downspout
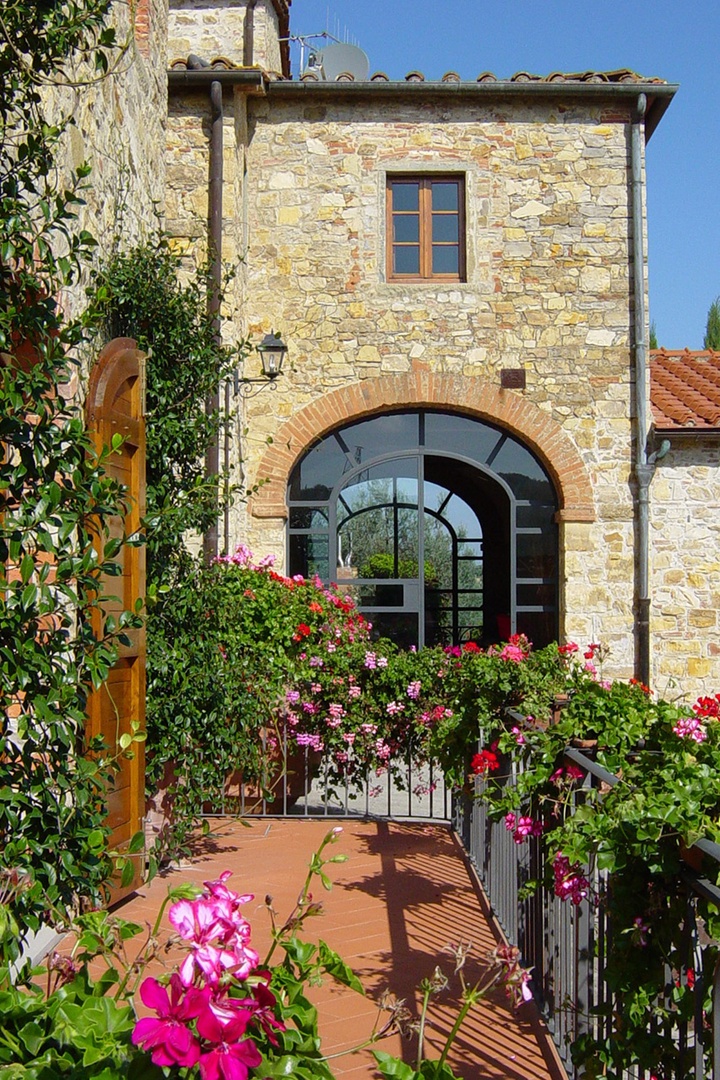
[644,468]
[212,454]
[249,33]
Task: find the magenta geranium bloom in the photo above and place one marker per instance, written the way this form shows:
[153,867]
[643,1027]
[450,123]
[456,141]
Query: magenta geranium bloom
[232,1056]
[264,1010]
[168,1035]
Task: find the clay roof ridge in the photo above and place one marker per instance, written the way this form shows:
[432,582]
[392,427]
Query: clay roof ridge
[623,75]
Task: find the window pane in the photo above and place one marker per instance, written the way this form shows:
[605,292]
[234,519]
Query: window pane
[445,260]
[406,260]
[381,435]
[536,515]
[406,195]
[319,471]
[309,556]
[445,228]
[543,595]
[308,518]
[536,554]
[400,628]
[382,595]
[445,195]
[459,433]
[406,229]
[540,626]
[514,460]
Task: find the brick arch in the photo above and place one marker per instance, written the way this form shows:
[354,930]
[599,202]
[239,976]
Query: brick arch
[424,389]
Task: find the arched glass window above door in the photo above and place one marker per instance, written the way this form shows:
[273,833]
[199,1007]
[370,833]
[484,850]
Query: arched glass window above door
[441,527]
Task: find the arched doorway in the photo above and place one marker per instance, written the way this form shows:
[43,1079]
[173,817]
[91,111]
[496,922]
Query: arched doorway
[441,527]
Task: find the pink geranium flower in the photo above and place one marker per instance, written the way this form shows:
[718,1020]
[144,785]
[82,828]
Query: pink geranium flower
[199,920]
[220,891]
[264,1010]
[168,1035]
[513,653]
[217,933]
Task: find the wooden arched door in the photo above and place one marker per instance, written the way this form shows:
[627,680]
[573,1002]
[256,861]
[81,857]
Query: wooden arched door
[115,406]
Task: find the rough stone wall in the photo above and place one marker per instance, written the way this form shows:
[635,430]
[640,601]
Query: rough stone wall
[186,223]
[685,546]
[216,28]
[547,290]
[118,127]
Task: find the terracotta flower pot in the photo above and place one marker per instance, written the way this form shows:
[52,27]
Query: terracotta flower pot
[286,782]
[160,807]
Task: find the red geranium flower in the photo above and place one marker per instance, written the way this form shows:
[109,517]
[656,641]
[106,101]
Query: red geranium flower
[484,762]
[707,706]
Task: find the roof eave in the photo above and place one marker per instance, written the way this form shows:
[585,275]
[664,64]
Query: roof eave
[659,95]
[251,80]
[712,434]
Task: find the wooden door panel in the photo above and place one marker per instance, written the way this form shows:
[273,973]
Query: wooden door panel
[115,406]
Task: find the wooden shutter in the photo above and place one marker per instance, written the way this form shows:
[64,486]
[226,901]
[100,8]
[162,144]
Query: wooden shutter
[115,405]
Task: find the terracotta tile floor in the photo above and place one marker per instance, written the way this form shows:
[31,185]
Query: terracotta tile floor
[404,894]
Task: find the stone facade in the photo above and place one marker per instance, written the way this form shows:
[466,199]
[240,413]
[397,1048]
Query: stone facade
[548,290]
[217,28]
[119,129]
[685,546]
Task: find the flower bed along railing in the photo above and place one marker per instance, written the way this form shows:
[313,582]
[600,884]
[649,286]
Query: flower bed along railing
[564,918]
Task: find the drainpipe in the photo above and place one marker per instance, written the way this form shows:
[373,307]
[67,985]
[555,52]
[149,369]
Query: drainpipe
[249,33]
[644,467]
[212,454]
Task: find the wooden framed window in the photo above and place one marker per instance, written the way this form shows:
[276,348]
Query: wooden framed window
[425,228]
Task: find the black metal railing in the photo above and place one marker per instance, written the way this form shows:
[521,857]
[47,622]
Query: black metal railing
[300,782]
[566,945]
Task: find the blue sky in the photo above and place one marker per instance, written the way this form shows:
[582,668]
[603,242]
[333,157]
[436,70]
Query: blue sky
[677,40]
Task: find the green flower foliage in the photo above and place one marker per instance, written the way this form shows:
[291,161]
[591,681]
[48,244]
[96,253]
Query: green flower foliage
[55,500]
[145,295]
[666,758]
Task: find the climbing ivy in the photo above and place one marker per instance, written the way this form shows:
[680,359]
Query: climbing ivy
[148,294]
[55,499]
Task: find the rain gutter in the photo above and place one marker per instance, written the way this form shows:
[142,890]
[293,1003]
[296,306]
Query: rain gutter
[249,33]
[644,465]
[215,192]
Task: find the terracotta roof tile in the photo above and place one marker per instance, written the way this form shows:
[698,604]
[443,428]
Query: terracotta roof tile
[685,389]
[623,75]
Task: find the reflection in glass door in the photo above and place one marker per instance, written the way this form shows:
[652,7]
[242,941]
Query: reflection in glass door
[377,540]
[441,528]
[409,552]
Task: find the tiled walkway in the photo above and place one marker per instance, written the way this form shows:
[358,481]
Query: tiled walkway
[401,898]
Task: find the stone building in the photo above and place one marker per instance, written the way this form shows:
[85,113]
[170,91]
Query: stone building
[462,435]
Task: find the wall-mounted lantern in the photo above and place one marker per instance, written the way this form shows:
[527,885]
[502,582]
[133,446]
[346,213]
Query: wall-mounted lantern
[273,351]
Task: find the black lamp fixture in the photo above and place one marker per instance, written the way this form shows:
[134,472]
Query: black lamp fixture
[273,351]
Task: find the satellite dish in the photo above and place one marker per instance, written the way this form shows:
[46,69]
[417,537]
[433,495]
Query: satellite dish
[342,59]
